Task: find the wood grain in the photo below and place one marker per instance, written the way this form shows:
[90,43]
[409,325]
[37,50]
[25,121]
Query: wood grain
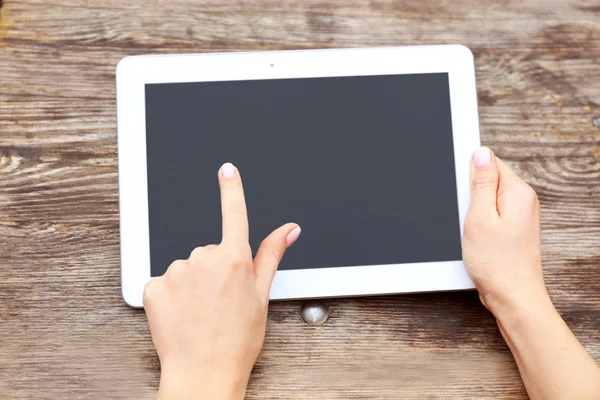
[65,333]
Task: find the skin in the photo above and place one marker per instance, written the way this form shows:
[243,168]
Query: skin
[208,313]
[502,252]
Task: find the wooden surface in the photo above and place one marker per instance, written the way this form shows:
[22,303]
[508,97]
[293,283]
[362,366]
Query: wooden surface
[65,333]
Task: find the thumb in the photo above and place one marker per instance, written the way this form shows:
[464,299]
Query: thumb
[484,182]
[270,253]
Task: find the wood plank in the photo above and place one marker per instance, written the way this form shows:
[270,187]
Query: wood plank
[65,330]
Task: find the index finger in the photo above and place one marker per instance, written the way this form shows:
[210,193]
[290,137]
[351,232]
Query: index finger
[233,205]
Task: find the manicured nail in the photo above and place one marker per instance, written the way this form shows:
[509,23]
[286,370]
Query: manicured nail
[228,171]
[482,157]
[293,236]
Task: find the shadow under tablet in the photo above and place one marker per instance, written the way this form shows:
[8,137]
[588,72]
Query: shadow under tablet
[365,165]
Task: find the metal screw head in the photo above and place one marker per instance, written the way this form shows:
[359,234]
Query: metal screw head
[314,313]
[597,122]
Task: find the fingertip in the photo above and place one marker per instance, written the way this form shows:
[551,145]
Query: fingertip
[293,235]
[228,171]
[484,181]
[483,157]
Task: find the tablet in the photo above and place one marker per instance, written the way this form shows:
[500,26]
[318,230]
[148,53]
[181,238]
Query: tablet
[368,150]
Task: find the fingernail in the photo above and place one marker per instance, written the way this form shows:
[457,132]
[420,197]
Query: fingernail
[482,157]
[293,236]
[228,171]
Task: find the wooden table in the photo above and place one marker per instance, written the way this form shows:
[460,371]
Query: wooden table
[65,332]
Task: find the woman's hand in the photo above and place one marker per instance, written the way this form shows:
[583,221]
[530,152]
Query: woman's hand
[208,313]
[501,241]
[502,253]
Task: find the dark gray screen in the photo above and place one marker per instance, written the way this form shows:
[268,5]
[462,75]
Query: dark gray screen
[364,164]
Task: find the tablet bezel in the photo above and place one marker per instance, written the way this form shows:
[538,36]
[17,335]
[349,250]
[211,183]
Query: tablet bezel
[134,72]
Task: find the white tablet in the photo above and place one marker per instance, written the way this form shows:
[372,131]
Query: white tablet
[368,150]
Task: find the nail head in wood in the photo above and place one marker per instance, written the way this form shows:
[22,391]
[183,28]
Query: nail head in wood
[314,313]
[597,122]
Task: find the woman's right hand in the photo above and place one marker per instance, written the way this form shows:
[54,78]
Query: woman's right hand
[501,241]
[502,253]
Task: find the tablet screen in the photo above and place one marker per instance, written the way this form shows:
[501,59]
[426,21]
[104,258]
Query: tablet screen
[364,164]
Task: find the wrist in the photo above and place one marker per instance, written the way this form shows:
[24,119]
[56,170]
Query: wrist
[525,325]
[517,300]
[529,307]
[186,383]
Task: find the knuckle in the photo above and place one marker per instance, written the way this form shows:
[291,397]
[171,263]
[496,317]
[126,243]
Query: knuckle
[151,291]
[484,182]
[266,243]
[238,208]
[237,257]
[533,195]
[177,269]
[234,199]
[529,195]
[272,247]
[178,264]
[197,253]
[277,254]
